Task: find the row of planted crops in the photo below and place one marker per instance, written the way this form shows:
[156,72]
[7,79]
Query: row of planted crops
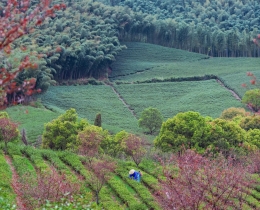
[120,192]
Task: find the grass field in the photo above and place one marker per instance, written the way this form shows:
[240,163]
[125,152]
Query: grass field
[140,57]
[231,70]
[31,119]
[90,100]
[206,97]
[138,65]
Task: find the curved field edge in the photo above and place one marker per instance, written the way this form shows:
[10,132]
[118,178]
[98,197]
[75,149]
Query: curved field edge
[207,97]
[89,100]
[146,62]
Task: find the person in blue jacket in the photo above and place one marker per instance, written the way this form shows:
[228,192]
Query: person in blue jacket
[135,175]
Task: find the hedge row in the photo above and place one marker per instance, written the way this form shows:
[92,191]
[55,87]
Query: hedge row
[120,188]
[6,191]
[143,192]
[53,158]
[74,161]
[35,156]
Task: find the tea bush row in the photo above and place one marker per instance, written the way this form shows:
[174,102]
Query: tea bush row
[126,196]
[139,188]
[35,156]
[74,161]
[6,191]
[54,160]
[23,166]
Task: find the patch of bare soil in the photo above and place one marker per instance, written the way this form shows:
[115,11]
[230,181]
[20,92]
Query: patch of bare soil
[16,185]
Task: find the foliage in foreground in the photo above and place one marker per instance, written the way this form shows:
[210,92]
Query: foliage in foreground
[61,133]
[201,182]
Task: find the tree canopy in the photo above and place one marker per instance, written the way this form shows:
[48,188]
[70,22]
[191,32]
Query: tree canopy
[151,119]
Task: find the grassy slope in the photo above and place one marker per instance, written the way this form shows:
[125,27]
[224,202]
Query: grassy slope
[89,100]
[123,192]
[206,97]
[182,64]
[31,119]
[142,62]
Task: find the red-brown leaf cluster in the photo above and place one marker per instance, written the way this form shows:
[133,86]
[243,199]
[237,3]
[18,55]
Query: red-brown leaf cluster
[100,173]
[134,146]
[14,23]
[195,182]
[8,129]
[48,185]
[89,144]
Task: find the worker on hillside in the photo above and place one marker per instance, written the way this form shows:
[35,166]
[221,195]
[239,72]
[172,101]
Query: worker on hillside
[135,175]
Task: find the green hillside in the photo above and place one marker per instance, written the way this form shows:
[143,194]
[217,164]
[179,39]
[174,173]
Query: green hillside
[205,97]
[180,64]
[90,100]
[120,193]
[139,64]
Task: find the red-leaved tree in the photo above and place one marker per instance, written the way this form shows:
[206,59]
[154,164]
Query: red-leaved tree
[134,146]
[89,141]
[196,182]
[99,173]
[48,185]
[8,131]
[16,20]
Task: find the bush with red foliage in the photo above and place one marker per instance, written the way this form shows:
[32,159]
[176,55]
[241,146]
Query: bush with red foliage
[89,143]
[8,131]
[134,146]
[195,182]
[100,173]
[16,21]
[48,185]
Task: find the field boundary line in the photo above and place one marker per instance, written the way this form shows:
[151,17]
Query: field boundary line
[122,100]
[15,184]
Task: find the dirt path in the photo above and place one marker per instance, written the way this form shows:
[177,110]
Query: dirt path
[122,100]
[233,93]
[16,186]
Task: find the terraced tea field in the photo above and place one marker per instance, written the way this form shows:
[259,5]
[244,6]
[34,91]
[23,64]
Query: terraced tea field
[31,119]
[143,72]
[90,100]
[120,193]
[206,97]
[179,64]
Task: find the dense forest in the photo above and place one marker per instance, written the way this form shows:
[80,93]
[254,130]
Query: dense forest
[84,40]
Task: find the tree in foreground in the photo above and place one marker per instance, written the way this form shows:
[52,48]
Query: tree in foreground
[17,19]
[61,133]
[188,129]
[99,173]
[232,112]
[47,185]
[151,119]
[252,95]
[196,182]
[89,141]
[8,131]
[134,146]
